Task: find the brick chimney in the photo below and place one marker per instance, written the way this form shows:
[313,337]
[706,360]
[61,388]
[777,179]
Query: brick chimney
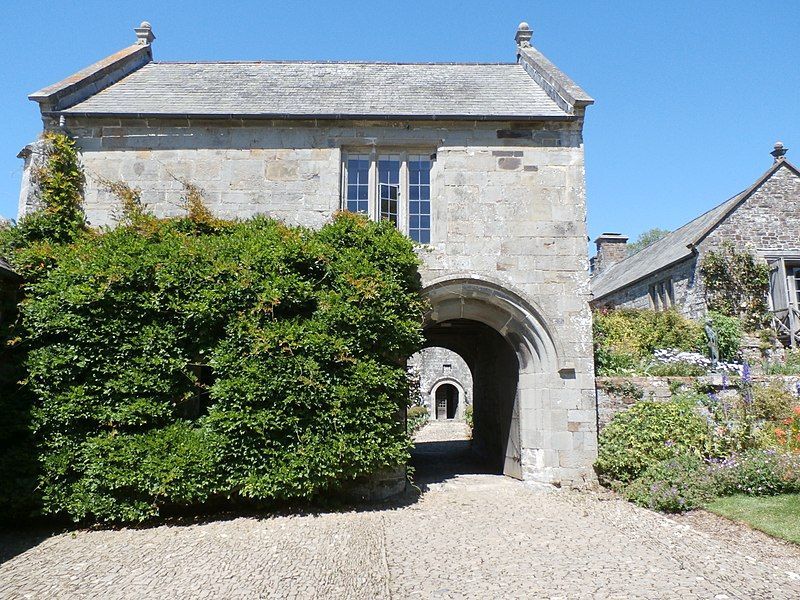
[611,248]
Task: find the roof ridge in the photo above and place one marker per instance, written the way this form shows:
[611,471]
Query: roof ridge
[330,62]
[671,235]
[678,244]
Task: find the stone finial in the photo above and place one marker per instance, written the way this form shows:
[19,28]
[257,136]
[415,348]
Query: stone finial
[779,152]
[524,35]
[144,34]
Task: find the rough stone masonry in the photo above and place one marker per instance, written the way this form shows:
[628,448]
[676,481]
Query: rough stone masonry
[505,267]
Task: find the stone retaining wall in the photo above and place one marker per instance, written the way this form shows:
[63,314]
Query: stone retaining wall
[616,394]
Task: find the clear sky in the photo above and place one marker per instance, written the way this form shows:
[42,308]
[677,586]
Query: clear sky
[690,96]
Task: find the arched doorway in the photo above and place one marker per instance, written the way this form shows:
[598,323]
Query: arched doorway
[447,401]
[513,359]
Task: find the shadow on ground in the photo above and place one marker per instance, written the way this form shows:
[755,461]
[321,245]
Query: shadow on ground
[433,461]
[437,461]
[19,539]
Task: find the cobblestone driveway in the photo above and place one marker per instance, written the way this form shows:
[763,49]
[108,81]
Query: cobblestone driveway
[468,536]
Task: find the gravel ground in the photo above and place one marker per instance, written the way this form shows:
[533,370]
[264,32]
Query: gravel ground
[470,535]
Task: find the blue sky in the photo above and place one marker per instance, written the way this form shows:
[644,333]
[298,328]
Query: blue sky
[690,95]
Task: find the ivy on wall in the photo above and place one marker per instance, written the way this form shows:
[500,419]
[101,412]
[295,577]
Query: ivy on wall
[736,285]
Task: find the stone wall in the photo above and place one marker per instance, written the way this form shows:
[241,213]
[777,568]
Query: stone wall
[769,220]
[508,215]
[435,366]
[688,292]
[617,394]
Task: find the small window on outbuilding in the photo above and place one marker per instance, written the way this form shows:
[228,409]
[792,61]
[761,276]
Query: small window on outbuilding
[662,295]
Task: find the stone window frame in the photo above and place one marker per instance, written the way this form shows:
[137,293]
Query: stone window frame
[662,294]
[374,152]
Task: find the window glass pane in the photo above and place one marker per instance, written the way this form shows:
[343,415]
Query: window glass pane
[358,183]
[419,188]
[421,236]
[389,186]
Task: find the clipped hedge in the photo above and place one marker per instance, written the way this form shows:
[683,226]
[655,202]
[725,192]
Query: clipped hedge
[173,363]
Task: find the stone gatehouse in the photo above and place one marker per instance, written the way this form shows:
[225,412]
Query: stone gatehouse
[481,164]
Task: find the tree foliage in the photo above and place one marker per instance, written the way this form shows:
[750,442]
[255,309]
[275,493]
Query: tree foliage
[645,239]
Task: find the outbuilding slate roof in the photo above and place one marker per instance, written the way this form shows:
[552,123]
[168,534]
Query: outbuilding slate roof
[673,247]
[325,89]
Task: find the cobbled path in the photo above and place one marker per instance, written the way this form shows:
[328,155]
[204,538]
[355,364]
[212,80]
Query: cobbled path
[471,535]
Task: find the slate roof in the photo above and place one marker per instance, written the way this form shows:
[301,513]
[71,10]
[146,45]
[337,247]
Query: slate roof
[673,247]
[325,90]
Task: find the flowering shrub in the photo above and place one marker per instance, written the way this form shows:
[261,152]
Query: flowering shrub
[758,473]
[676,356]
[624,337]
[682,482]
[647,433]
[788,436]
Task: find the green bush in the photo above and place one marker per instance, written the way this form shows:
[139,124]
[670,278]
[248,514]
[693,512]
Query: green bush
[608,363]
[176,361]
[649,432]
[416,418]
[736,285]
[624,337]
[729,335]
[772,402]
[469,417]
[790,366]
[676,484]
[30,246]
[759,473]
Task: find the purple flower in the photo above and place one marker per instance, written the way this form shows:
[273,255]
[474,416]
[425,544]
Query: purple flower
[746,375]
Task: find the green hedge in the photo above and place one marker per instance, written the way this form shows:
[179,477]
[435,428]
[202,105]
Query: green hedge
[172,363]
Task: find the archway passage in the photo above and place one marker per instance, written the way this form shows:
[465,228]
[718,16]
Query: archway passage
[447,401]
[494,447]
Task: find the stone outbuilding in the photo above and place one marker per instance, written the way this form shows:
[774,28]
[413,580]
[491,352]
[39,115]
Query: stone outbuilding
[481,164]
[444,383]
[763,219]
